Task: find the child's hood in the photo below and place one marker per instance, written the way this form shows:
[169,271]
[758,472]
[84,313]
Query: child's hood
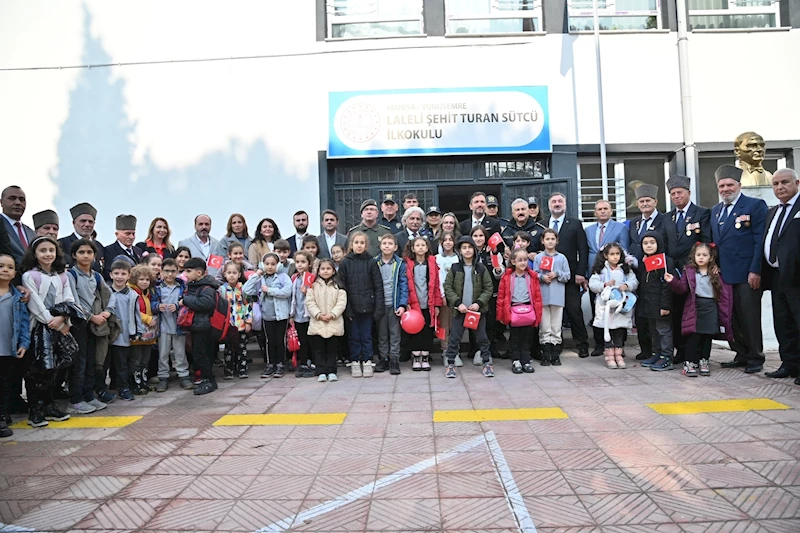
[659,241]
[205,281]
[468,240]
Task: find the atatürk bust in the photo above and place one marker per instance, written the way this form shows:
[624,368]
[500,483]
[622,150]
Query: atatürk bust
[750,150]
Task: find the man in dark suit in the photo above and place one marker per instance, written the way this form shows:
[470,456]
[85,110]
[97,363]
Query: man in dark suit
[598,235]
[13,202]
[83,220]
[572,243]
[649,220]
[126,236]
[477,206]
[329,236]
[300,221]
[780,270]
[412,222]
[737,228]
[685,225]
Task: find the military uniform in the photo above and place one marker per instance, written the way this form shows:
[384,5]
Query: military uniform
[374,235]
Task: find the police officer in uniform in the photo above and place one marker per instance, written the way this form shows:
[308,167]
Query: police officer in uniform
[522,221]
[493,209]
[390,220]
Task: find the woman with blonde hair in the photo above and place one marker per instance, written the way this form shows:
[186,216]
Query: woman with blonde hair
[157,240]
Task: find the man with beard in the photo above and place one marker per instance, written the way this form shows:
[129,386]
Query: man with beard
[478,217]
[300,221]
[330,237]
[201,243]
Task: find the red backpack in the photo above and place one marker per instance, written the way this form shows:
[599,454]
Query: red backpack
[221,316]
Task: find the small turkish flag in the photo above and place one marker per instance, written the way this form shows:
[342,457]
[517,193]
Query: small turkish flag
[494,240]
[471,319]
[214,261]
[308,279]
[546,263]
[496,260]
[654,262]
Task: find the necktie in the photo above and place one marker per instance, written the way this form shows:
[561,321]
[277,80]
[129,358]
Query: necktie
[724,216]
[601,234]
[130,252]
[776,233]
[643,228]
[681,223]
[21,235]
[555,225]
[414,235]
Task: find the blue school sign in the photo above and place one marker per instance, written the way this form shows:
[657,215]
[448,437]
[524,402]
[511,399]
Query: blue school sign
[485,120]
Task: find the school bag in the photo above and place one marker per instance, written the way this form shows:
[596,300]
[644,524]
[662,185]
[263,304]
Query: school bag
[220,317]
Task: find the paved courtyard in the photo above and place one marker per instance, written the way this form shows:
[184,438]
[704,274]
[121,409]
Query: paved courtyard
[574,448]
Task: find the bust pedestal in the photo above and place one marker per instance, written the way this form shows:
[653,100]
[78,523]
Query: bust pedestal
[764,193]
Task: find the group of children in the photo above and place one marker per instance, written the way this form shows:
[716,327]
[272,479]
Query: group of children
[164,308]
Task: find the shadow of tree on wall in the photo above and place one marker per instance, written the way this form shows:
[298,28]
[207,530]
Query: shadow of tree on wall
[96,164]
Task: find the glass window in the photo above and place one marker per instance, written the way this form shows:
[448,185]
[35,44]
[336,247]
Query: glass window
[493,16]
[619,15]
[591,190]
[733,14]
[348,19]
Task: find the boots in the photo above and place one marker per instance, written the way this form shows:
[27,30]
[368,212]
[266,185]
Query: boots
[618,358]
[416,366]
[426,363]
[394,365]
[555,354]
[611,361]
[545,355]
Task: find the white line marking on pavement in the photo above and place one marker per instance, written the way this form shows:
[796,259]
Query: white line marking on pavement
[369,488]
[9,528]
[515,501]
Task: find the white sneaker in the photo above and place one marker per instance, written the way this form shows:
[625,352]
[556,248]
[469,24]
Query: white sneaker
[478,359]
[80,408]
[369,369]
[459,362]
[332,377]
[322,378]
[355,369]
[97,404]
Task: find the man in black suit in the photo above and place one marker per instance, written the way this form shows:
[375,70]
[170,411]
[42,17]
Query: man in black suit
[477,205]
[412,222]
[83,220]
[126,236]
[685,225]
[300,221]
[780,270]
[573,244]
[329,236]
[649,220]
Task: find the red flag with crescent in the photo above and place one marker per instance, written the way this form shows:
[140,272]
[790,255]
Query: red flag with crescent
[546,263]
[308,279]
[471,319]
[494,240]
[214,261]
[654,262]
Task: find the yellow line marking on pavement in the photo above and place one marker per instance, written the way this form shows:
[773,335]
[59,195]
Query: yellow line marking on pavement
[320,419]
[716,406]
[85,422]
[487,415]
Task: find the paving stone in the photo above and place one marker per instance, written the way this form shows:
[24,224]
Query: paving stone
[694,506]
[727,475]
[56,515]
[764,502]
[191,515]
[116,513]
[402,515]
[629,509]
[603,481]
[783,473]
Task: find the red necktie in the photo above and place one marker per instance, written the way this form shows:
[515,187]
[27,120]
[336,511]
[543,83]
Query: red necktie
[21,234]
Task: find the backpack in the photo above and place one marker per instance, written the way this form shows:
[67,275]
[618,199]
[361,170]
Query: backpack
[220,316]
[36,276]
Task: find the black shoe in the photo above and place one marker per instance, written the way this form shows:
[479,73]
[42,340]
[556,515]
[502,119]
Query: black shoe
[545,361]
[555,355]
[52,413]
[204,388]
[382,366]
[528,368]
[598,351]
[583,351]
[278,372]
[516,367]
[797,381]
[126,394]
[7,418]
[300,371]
[36,416]
[311,371]
[782,372]
[106,396]
[218,362]
[733,364]
[753,368]
[4,431]
[394,366]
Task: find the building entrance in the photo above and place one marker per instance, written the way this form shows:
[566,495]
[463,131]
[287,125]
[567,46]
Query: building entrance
[455,199]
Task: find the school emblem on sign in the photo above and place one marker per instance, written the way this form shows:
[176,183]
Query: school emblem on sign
[360,122]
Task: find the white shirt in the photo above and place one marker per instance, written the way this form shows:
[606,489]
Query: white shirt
[560,222]
[126,248]
[330,240]
[79,237]
[14,225]
[730,206]
[298,241]
[768,240]
[478,221]
[205,247]
[685,211]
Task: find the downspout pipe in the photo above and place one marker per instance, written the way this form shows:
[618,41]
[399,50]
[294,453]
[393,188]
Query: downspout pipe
[689,148]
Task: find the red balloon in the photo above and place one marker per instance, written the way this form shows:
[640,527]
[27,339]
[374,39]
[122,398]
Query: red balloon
[412,321]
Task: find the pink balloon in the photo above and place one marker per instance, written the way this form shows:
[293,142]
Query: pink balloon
[412,321]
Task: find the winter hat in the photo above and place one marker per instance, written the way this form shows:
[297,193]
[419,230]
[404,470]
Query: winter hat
[126,223]
[678,181]
[646,190]
[368,202]
[83,209]
[48,216]
[728,172]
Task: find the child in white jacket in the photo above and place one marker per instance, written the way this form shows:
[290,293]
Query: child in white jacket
[326,301]
[610,270]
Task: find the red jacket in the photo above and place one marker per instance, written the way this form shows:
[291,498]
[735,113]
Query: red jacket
[434,290]
[504,296]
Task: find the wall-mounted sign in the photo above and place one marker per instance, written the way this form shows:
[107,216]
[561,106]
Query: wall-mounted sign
[485,120]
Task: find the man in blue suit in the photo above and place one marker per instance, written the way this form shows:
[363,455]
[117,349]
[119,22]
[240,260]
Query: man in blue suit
[20,236]
[685,225]
[604,231]
[737,227]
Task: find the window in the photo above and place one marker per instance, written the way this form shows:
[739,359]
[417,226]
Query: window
[349,19]
[624,176]
[493,16]
[733,14]
[615,15]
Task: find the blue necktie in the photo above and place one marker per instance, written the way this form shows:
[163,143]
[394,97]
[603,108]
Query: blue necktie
[642,228]
[681,223]
[724,215]
[555,225]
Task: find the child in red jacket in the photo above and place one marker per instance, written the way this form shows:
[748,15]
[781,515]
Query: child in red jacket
[424,295]
[519,305]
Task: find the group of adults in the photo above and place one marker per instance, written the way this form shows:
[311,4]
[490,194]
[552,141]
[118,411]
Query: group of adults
[757,247]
